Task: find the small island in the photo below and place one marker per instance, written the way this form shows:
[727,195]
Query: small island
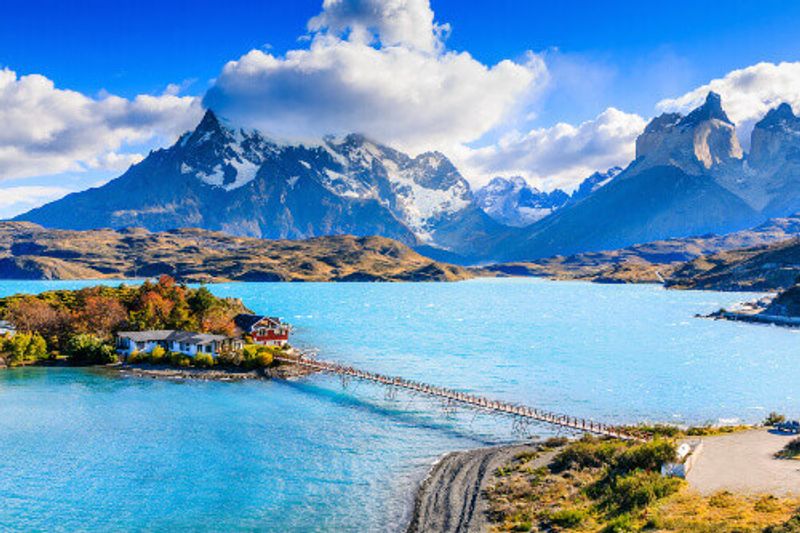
[161,329]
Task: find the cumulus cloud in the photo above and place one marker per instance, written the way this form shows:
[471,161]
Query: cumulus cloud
[747,94]
[391,22]
[376,67]
[562,155]
[47,130]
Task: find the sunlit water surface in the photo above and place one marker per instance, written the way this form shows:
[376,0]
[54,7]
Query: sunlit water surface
[89,450]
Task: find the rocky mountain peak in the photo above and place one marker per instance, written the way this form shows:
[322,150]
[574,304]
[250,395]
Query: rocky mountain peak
[781,117]
[775,139]
[710,110]
[703,139]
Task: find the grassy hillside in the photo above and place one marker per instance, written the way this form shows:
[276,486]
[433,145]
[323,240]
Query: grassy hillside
[29,251]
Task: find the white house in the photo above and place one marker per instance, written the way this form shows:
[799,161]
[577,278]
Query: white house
[185,342]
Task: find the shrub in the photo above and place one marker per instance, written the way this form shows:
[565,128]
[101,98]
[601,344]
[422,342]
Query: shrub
[25,348]
[648,456]
[620,524]
[588,452]
[639,489]
[137,357]
[774,419]
[568,518]
[203,360]
[178,359]
[256,356]
[88,349]
[791,450]
[158,356]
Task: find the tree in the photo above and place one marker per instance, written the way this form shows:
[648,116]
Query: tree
[25,348]
[100,316]
[153,311]
[32,315]
[87,349]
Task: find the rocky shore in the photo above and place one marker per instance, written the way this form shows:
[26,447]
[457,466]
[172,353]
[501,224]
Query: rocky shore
[450,498]
[212,374]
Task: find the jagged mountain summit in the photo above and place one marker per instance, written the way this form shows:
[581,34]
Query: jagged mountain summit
[690,177]
[514,202]
[222,178]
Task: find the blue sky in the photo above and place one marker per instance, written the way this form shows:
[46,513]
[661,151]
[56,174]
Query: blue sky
[598,55]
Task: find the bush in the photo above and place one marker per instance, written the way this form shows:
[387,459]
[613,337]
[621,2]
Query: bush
[158,356]
[25,348]
[203,360]
[588,452]
[178,359]
[773,419]
[137,357]
[621,524]
[568,518]
[256,356]
[648,456]
[639,489]
[791,450]
[87,349]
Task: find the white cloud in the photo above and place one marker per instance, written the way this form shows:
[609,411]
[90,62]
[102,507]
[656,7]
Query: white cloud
[747,94]
[562,155]
[15,200]
[403,88]
[47,130]
[391,22]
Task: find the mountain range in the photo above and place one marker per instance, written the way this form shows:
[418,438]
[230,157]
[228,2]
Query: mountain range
[221,178]
[514,202]
[690,177]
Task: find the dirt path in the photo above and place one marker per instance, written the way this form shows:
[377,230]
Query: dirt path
[743,462]
[450,499]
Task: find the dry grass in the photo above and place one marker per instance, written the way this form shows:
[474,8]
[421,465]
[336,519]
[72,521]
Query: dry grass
[586,498]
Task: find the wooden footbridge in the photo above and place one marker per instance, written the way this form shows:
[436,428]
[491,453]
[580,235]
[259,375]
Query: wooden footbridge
[469,400]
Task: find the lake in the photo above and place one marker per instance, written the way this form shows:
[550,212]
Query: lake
[89,450]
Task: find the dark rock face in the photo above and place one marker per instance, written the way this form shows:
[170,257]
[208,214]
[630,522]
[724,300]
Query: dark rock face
[237,181]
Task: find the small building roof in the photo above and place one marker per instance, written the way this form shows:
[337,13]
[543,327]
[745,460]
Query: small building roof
[168,335]
[247,322]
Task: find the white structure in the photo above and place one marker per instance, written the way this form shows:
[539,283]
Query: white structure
[7,328]
[185,342]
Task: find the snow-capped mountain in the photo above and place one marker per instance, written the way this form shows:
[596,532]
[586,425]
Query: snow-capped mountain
[514,202]
[593,183]
[690,177]
[223,178]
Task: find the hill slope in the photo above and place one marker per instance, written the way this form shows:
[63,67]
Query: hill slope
[28,251]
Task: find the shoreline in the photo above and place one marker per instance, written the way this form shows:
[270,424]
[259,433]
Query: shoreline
[450,497]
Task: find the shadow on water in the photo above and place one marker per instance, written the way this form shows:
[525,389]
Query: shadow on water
[403,416]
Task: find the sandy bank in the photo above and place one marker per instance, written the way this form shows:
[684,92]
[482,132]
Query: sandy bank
[451,498]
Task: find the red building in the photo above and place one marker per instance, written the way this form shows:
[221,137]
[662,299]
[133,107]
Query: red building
[266,330]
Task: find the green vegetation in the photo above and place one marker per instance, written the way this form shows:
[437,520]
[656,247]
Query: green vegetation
[88,349]
[791,450]
[79,325]
[611,485]
[23,348]
[773,419]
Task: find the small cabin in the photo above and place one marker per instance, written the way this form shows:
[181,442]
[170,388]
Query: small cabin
[265,330]
[185,342]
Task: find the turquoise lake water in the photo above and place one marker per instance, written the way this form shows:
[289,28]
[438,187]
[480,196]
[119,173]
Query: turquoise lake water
[89,450]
